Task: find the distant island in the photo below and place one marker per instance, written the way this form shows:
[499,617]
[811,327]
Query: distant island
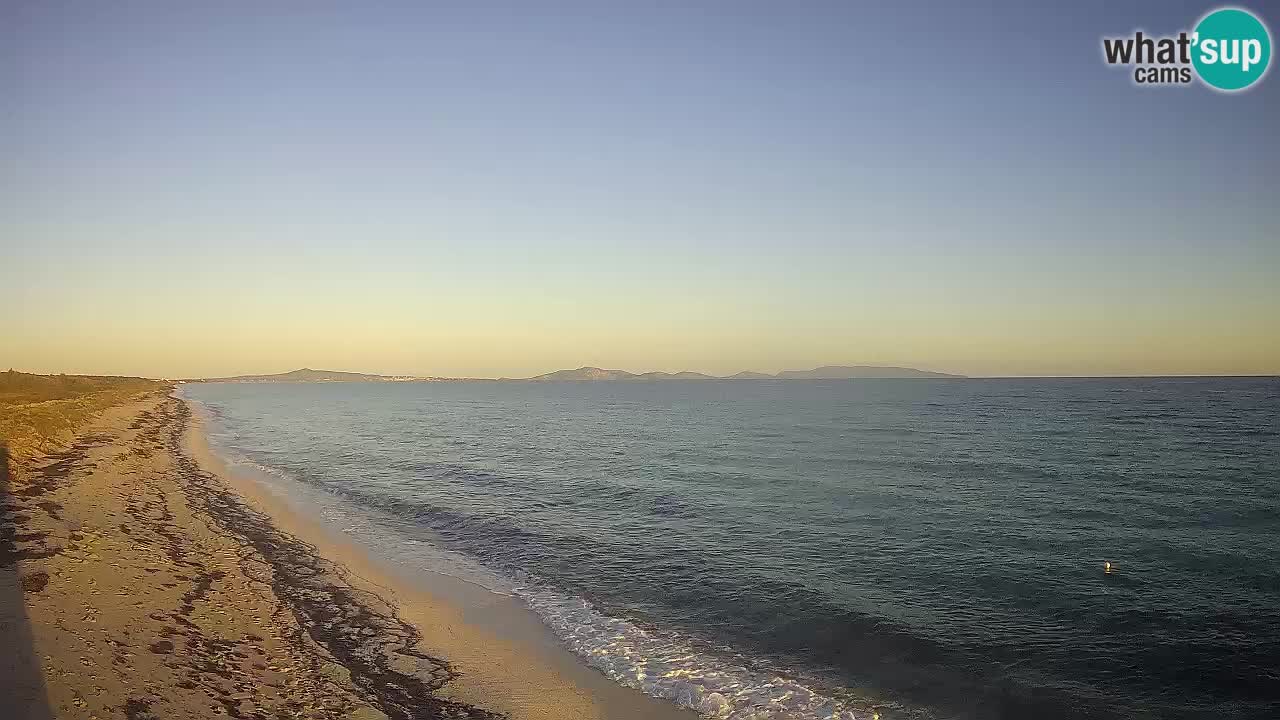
[307,375]
[846,372]
[826,372]
[595,374]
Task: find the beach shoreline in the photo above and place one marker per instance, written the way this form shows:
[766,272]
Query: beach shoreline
[504,658]
[142,580]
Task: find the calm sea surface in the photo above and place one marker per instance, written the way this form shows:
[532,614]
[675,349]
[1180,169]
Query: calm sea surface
[917,548]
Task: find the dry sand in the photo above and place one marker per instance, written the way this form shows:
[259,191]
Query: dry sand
[140,580]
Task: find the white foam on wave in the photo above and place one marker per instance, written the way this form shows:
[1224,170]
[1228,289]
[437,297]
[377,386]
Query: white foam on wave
[711,684]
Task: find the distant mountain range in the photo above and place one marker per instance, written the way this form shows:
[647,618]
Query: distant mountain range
[845,372]
[595,374]
[826,372]
[307,375]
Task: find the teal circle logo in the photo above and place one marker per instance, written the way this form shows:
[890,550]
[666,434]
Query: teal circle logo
[1231,49]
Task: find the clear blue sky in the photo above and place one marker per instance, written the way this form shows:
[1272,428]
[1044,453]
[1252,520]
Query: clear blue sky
[482,188]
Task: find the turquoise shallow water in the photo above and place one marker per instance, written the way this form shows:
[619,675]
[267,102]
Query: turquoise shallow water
[919,548]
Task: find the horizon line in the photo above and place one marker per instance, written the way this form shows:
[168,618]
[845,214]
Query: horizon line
[940,375]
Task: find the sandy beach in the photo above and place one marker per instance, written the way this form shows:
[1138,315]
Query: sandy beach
[139,579]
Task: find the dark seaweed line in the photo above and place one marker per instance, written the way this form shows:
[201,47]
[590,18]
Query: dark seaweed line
[359,629]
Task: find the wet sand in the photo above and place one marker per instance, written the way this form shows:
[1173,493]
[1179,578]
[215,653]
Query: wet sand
[139,580]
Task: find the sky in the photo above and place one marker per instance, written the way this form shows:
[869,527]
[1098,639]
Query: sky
[503,189]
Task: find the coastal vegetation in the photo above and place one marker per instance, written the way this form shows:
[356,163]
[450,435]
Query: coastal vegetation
[41,413]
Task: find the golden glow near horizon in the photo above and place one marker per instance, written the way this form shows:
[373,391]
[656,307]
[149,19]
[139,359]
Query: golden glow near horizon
[209,316]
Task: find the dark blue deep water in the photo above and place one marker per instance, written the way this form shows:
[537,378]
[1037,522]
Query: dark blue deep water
[920,548]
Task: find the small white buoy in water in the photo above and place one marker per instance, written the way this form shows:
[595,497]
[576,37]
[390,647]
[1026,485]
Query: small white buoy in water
[1106,567]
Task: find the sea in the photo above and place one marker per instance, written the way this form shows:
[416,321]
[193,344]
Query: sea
[915,548]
